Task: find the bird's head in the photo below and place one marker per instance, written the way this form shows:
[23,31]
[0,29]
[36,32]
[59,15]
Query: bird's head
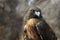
[35,13]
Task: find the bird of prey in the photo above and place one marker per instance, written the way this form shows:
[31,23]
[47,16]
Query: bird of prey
[36,28]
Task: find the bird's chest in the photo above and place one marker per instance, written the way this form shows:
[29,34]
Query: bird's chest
[31,31]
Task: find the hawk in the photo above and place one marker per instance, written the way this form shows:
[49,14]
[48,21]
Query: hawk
[36,28]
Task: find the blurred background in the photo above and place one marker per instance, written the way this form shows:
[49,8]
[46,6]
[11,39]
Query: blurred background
[12,16]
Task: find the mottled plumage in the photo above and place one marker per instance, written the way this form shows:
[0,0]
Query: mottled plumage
[36,28]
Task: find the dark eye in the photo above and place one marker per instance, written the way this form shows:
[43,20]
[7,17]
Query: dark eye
[32,10]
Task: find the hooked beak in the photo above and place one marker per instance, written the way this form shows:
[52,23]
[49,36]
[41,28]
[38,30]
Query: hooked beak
[37,13]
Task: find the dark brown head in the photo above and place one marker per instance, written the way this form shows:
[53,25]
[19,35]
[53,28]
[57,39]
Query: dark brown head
[34,13]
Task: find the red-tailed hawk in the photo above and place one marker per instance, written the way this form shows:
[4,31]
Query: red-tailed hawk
[36,27]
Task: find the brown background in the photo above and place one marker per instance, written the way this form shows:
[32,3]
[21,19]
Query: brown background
[13,11]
